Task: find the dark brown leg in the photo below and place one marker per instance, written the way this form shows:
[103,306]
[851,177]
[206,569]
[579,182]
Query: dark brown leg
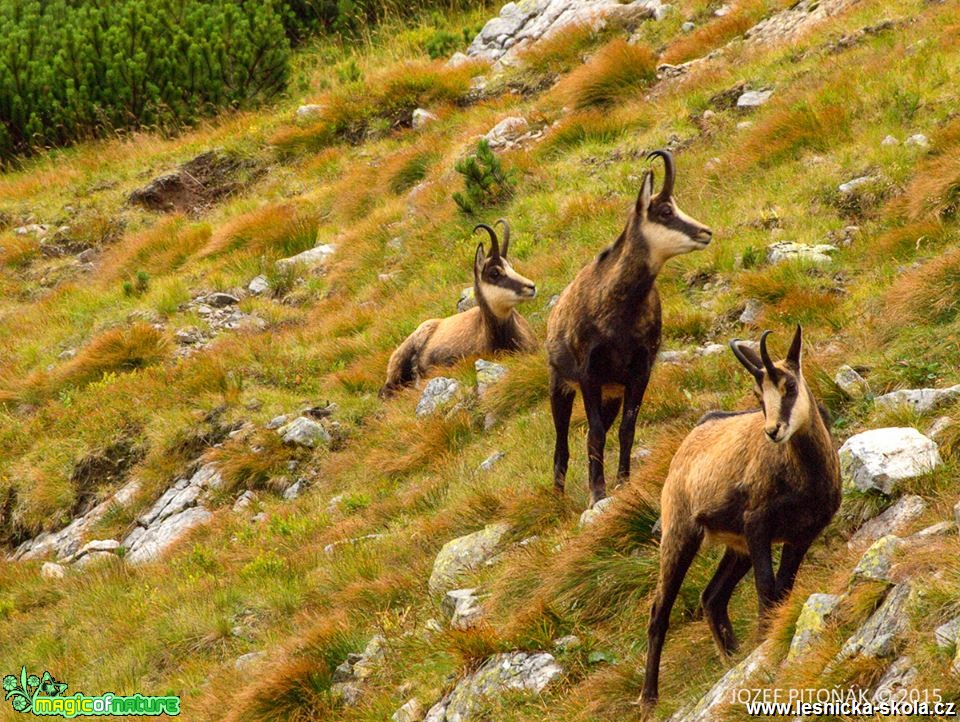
[758,542]
[733,567]
[596,437]
[632,398]
[561,406]
[610,409]
[790,560]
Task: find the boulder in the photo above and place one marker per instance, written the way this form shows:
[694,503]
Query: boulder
[920,400]
[259,285]
[896,681]
[221,300]
[49,570]
[488,373]
[502,673]
[811,622]
[464,554]
[751,311]
[462,608]
[304,432]
[438,392]
[422,118]
[467,300]
[940,529]
[754,98]
[880,459]
[947,634]
[244,501]
[507,131]
[881,634]
[411,711]
[851,383]
[311,259]
[160,536]
[876,562]
[892,521]
[294,490]
[589,516]
[785,251]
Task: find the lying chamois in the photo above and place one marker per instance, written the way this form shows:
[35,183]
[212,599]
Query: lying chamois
[604,332]
[747,480]
[492,325]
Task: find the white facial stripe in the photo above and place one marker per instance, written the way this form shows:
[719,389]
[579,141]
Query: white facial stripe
[503,300]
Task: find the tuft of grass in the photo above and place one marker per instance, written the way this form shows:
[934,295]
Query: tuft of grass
[929,293]
[715,33]
[815,123]
[588,126]
[617,72]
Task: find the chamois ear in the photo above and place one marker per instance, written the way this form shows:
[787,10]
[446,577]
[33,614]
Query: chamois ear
[478,259]
[748,358]
[793,355]
[646,193]
[505,244]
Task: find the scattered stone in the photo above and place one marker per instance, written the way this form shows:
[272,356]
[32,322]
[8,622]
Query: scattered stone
[751,312]
[920,400]
[94,558]
[947,633]
[438,392]
[939,426]
[221,300]
[411,711]
[277,421]
[312,259]
[462,609]
[309,112]
[294,490]
[790,251]
[458,59]
[811,622]
[488,374]
[892,521]
[918,140]
[671,357]
[876,562]
[852,185]
[589,516]
[880,635]
[329,549]
[793,21]
[567,643]
[723,10]
[422,118]
[464,554]
[259,518]
[304,432]
[259,286]
[488,463]
[499,674]
[506,132]
[752,672]
[880,459]
[896,681]
[743,125]
[712,349]
[754,98]
[467,300]
[940,529]
[851,383]
[688,27]
[246,661]
[87,256]
[32,229]
[67,354]
[349,676]
[49,570]
[244,501]
[889,140]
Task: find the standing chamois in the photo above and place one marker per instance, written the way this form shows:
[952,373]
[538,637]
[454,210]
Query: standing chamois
[604,332]
[747,480]
[492,325]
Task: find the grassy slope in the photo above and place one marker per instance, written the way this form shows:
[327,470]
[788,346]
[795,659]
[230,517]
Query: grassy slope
[235,587]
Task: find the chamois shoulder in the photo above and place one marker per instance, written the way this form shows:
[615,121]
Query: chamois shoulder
[717,414]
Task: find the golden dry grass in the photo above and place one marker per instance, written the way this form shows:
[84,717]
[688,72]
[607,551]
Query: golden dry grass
[616,72]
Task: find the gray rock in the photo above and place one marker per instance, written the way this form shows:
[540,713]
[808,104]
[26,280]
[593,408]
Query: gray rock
[723,10]
[881,634]
[312,259]
[303,431]
[893,520]
[329,549]
[464,554]
[162,535]
[438,392]
[422,118]
[854,183]
[811,622]
[946,634]
[751,311]
[851,383]
[87,256]
[876,562]
[467,300]
[889,140]
[462,609]
[259,285]
[712,349]
[309,112]
[458,59]
[589,516]
[488,463]
[880,459]
[277,421]
[67,354]
[507,131]
[411,711]
[920,400]
[896,681]
[247,661]
[789,251]
[754,98]
[940,529]
[566,643]
[294,490]
[688,27]
[744,124]
[94,558]
[488,374]
[221,300]
[49,570]
[244,501]
[32,229]
[918,140]
[938,427]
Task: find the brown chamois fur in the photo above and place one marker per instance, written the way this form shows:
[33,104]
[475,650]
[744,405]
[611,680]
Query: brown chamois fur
[604,332]
[493,325]
[748,481]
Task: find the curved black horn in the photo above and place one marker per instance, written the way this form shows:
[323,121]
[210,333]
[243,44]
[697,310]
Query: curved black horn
[494,242]
[748,363]
[765,356]
[668,169]
[506,236]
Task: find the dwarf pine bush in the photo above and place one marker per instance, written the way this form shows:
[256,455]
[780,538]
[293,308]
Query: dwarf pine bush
[486,182]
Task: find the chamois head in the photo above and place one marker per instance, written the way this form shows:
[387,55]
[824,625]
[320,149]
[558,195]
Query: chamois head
[494,279]
[786,402]
[657,221]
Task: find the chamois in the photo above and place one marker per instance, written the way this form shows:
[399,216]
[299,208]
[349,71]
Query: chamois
[604,332]
[492,325]
[747,480]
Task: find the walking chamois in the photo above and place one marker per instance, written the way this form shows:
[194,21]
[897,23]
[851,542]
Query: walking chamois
[747,480]
[604,332]
[492,325]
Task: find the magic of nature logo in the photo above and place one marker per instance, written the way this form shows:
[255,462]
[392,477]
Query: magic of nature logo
[46,697]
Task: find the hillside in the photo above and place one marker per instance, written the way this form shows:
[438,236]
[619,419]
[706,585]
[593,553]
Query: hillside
[267,529]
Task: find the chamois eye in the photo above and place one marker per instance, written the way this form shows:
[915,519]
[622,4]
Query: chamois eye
[666,212]
[791,387]
[495,273]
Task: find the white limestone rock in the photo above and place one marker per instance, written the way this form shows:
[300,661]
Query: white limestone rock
[880,459]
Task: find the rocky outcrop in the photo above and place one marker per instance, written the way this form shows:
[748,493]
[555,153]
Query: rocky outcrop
[895,681]
[438,392]
[785,251]
[303,431]
[175,513]
[876,562]
[920,400]
[892,521]
[411,711]
[197,184]
[488,374]
[880,635]
[811,622]
[753,671]
[522,23]
[312,259]
[880,459]
[501,673]
[462,609]
[349,676]
[464,554]
[791,23]
[851,383]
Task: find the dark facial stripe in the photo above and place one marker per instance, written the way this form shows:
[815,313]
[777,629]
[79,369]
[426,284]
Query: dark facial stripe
[787,402]
[674,222]
[502,280]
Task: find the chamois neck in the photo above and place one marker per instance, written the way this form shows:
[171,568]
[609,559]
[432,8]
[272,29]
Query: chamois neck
[491,316]
[812,442]
[632,273]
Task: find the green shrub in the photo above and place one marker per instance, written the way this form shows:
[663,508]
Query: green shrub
[486,182]
[442,43]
